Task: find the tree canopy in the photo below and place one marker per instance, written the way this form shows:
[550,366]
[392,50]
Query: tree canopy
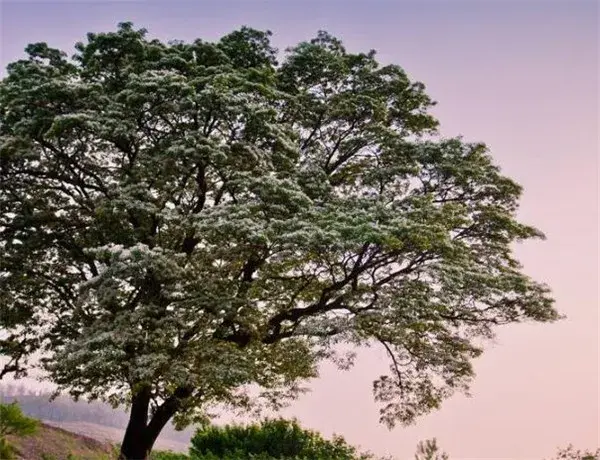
[183,224]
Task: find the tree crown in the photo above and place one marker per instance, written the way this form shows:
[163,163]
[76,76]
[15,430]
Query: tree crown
[189,220]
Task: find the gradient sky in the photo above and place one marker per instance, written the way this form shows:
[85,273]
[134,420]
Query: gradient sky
[521,76]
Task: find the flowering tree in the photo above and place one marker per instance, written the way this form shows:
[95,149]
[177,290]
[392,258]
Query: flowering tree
[181,222]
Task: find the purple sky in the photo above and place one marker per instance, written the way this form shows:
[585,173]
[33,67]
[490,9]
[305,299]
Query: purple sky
[521,76]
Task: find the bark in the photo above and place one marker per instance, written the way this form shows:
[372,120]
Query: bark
[141,434]
[135,444]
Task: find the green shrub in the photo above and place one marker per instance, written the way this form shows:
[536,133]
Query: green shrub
[7,451]
[269,440]
[13,422]
[168,455]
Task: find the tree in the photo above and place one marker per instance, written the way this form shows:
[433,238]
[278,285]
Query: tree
[269,440]
[187,224]
[13,422]
[429,450]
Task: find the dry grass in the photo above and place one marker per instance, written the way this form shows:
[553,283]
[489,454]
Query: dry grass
[52,443]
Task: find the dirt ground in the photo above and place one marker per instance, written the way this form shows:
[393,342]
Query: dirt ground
[52,443]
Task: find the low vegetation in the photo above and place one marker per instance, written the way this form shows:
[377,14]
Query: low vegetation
[13,423]
[269,440]
[25,438]
[51,443]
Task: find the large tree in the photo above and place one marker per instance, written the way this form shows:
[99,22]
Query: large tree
[190,223]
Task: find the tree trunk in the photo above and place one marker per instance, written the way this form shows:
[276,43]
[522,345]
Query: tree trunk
[135,444]
[135,448]
[140,434]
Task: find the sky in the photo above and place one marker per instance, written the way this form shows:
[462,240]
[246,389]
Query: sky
[523,77]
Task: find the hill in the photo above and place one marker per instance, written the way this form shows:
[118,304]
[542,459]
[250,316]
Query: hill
[76,441]
[112,435]
[53,443]
[96,420]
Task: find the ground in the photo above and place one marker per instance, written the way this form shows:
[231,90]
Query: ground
[53,443]
[112,434]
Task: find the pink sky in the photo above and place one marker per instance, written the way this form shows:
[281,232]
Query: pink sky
[521,76]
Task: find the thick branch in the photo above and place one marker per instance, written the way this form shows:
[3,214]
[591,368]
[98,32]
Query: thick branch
[166,410]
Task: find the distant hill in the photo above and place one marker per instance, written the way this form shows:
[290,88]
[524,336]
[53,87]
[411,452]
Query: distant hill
[112,435]
[96,420]
[58,444]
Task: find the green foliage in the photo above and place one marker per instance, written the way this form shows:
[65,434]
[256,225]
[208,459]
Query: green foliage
[14,422]
[167,455]
[269,440]
[182,222]
[7,450]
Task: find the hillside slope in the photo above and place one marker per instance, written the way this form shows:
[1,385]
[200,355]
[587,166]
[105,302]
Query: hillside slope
[112,435]
[94,419]
[53,443]
[81,440]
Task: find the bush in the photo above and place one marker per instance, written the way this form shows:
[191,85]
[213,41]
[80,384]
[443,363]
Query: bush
[7,451]
[168,455]
[13,422]
[269,440]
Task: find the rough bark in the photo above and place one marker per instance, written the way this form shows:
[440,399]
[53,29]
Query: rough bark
[141,433]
